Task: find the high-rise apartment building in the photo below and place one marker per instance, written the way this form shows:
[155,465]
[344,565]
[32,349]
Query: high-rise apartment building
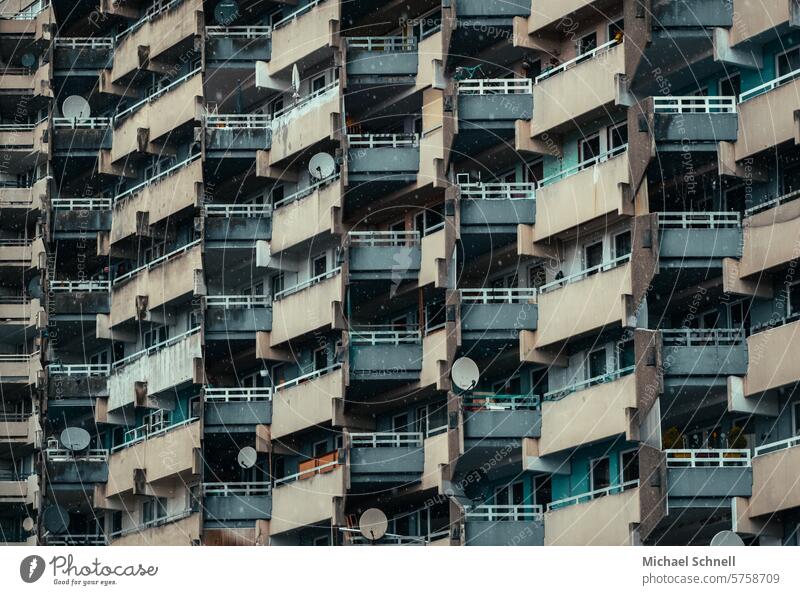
[243,245]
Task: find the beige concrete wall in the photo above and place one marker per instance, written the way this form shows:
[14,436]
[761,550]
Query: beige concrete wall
[306,501]
[306,218]
[307,310]
[431,148]
[767,120]
[434,351]
[434,249]
[27,371]
[586,416]
[547,14]
[775,485]
[27,198]
[436,454]
[771,239]
[169,455]
[429,52]
[20,313]
[753,17]
[163,369]
[772,359]
[164,283]
[308,34]
[591,303]
[307,404]
[582,197]
[18,431]
[25,490]
[305,126]
[579,90]
[604,521]
[182,532]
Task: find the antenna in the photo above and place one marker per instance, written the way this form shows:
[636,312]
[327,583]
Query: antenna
[465,373]
[75,439]
[373,524]
[726,539]
[76,107]
[321,166]
[247,457]
[55,519]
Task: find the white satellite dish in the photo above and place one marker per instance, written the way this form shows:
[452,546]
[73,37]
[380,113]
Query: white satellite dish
[75,439]
[27,524]
[247,457]
[726,539]
[321,166]
[373,524]
[76,107]
[465,373]
[295,83]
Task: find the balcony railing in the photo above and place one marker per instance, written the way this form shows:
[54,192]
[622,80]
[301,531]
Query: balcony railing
[77,539]
[293,16]
[769,85]
[587,496]
[506,512]
[765,449]
[384,335]
[480,401]
[600,268]
[31,11]
[380,141]
[81,204]
[238,395]
[62,455]
[775,321]
[322,467]
[240,31]
[18,357]
[498,190]
[306,284]
[238,121]
[83,123]
[509,86]
[14,417]
[142,433]
[285,112]
[157,8]
[307,190]
[87,43]
[601,49]
[154,348]
[558,394]
[390,44]
[242,488]
[155,95]
[156,522]
[383,239]
[585,164]
[156,178]
[502,295]
[229,302]
[309,376]
[702,337]
[17,126]
[694,104]
[386,439]
[79,369]
[58,285]
[774,202]
[705,220]
[708,457]
[245,210]
[157,262]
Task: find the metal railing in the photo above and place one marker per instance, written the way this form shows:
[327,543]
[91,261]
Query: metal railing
[92,43]
[511,86]
[239,31]
[506,512]
[308,376]
[156,178]
[774,202]
[237,395]
[237,301]
[141,433]
[501,295]
[87,123]
[154,10]
[58,285]
[776,446]
[76,540]
[238,121]
[156,522]
[769,85]
[308,283]
[385,439]
[587,496]
[156,347]
[156,94]
[157,262]
[703,220]
[498,190]
[382,141]
[306,473]
[694,104]
[702,337]
[15,299]
[774,322]
[240,488]
[307,190]
[585,164]
[577,60]
[600,268]
[560,393]
[384,335]
[15,242]
[293,16]
[85,204]
[383,239]
[286,111]
[18,127]
[708,457]
[242,210]
[18,357]
[14,417]
[62,455]
[392,43]
[79,369]
[486,401]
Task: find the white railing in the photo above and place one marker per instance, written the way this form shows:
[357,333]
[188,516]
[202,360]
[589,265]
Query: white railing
[238,121]
[769,85]
[393,43]
[498,190]
[79,369]
[80,286]
[14,417]
[17,127]
[585,164]
[156,94]
[85,204]
[239,31]
[384,335]
[560,393]
[237,395]
[615,489]
[156,347]
[501,295]
[76,539]
[373,239]
[88,123]
[385,439]
[509,86]
[293,16]
[694,104]
[156,522]
[92,43]
[285,112]
[308,376]
[308,190]
[18,357]
[774,202]
[15,299]
[775,321]
[15,242]
[708,457]
[141,433]
[156,178]
[30,12]
[157,8]
[481,401]
[158,261]
[306,473]
[703,337]
[577,60]
[703,220]
[600,268]
[308,283]
[241,488]
[382,141]
[238,301]
[765,449]
[506,512]
[62,455]
[243,210]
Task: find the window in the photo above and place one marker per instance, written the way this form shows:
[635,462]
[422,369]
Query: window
[533,171]
[739,314]
[155,335]
[275,106]
[587,43]
[622,244]
[274,17]
[319,266]
[431,419]
[320,448]
[277,193]
[154,510]
[116,521]
[709,319]
[629,465]
[400,423]
[617,136]
[158,420]
[616,29]
[320,359]
[542,490]
[626,356]
[593,256]
[588,149]
[99,358]
[278,467]
[435,316]
[731,86]
[322,540]
[512,386]
[278,374]
[793,300]
[600,473]
[318,83]
[597,364]
[796,418]
[539,382]
[536,276]
[398,226]
[788,61]
[277,284]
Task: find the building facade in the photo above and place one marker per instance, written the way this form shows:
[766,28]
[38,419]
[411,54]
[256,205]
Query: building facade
[242,245]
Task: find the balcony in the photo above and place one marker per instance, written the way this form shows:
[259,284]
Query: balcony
[82,55]
[384,256]
[693,14]
[79,468]
[80,297]
[238,46]
[496,208]
[308,33]
[434,259]
[602,517]
[766,116]
[775,485]
[381,59]
[309,306]
[237,135]
[18,312]
[307,498]
[490,416]
[24,81]
[589,411]
[20,369]
[16,489]
[385,353]
[473,16]
[769,232]
[235,410]
[770,368]
[578,90]
[382,158]
[704,478]
[169,454]
[24,254]
[597,297]
[155,369]
[76,540]
[24,145]
[698,239]
[584,193]
[307,401]
[764,22]
[24,198]
[497,314]
[700,122]
[81,138]
[383,459]
[179,529]
[488,110]
[75,217]
[234,503]
[704,352]
[504,524]
[316,206]
[76,384]
[549,16]
[232,317]
[19,428]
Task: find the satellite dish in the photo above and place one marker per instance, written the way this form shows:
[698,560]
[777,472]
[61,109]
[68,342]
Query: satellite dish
[76,107]
[35,287]
[465,373]
[373,524]
[75,439]
[726,539]
[247,457]
[28,60]
[321,166]
[226,12]
[55,519]
[27,524]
